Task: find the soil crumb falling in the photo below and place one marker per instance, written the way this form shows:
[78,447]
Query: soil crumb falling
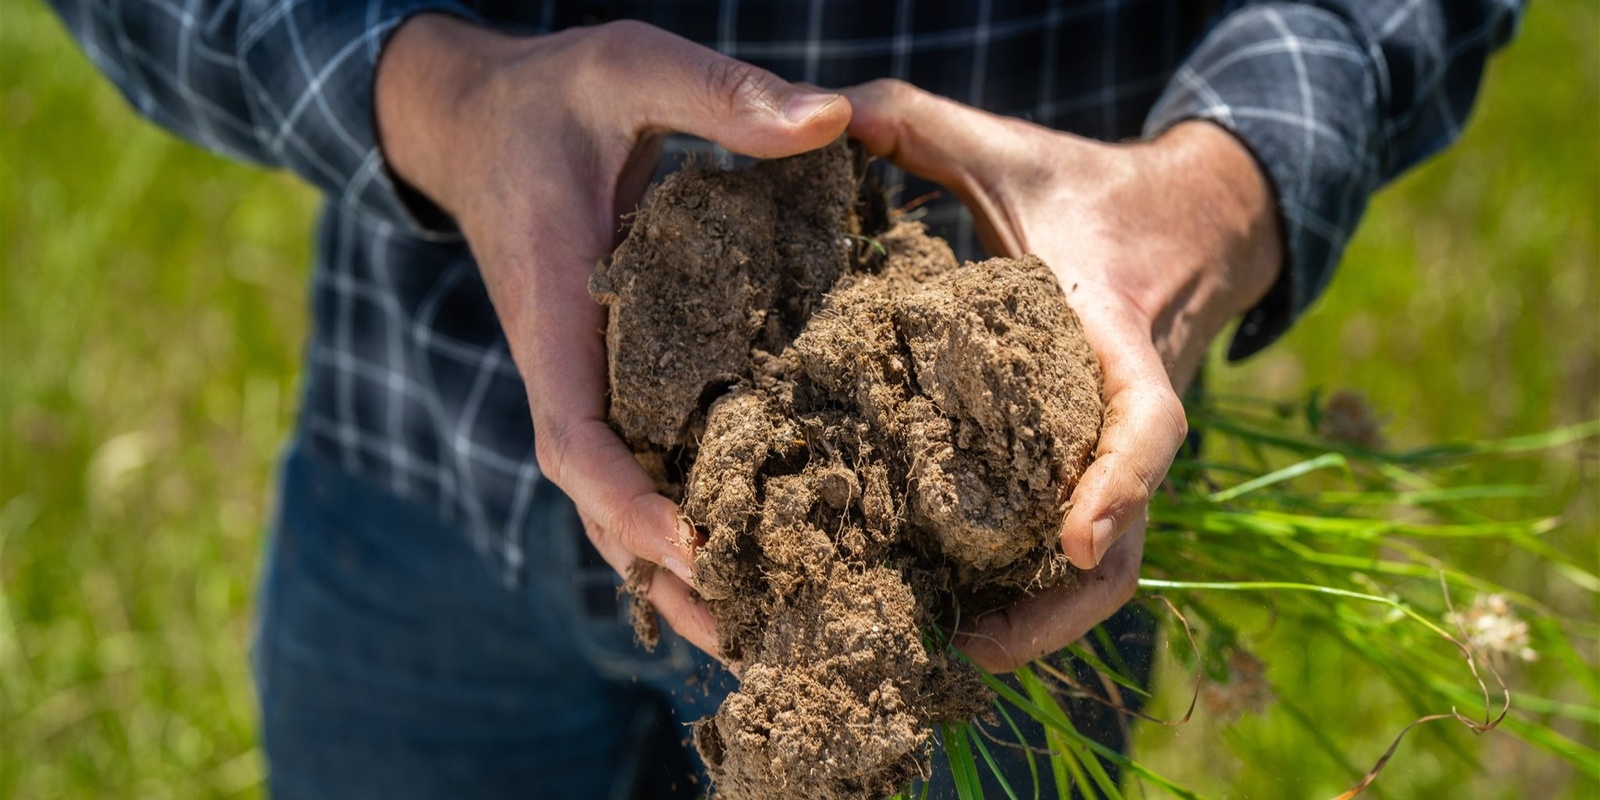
[872,440]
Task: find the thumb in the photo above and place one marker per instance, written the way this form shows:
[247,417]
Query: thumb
[951,144]
[926,134]
[675,84]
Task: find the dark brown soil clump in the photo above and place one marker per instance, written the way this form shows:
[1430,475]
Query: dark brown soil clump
[872,440]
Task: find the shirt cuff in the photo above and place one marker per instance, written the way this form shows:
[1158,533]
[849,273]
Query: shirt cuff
[1296,85]
[309,70]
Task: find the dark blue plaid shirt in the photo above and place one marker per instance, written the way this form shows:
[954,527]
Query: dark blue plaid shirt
[409,382]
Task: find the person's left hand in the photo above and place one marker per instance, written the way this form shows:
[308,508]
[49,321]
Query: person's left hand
[1157,245]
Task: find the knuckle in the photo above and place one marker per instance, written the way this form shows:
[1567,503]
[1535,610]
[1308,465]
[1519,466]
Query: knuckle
[550,446]
[892,88]
[1148,475]
[609,52]
[629,29]
[621,37]
[628,528]
[735,86]
[629,524]
[1173,414]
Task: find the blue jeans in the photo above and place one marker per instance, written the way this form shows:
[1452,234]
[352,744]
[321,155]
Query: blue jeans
[392,663]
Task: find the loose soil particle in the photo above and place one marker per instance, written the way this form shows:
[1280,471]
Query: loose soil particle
[872,441]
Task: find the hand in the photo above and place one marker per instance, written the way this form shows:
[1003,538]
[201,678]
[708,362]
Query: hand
[536,146]
[1157,245]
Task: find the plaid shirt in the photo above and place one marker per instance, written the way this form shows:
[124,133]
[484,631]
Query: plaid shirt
[409,382]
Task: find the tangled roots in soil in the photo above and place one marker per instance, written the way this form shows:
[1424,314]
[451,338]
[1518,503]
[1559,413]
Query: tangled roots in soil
[872,440]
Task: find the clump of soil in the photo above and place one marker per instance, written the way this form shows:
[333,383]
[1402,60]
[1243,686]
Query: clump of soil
[871,440]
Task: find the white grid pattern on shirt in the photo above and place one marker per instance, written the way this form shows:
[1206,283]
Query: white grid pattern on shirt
[427,405]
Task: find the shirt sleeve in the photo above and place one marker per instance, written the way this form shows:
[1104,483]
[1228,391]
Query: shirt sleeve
[276,82]
[1333,98]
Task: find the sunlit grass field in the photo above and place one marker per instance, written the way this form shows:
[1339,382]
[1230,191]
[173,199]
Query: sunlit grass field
[152,308]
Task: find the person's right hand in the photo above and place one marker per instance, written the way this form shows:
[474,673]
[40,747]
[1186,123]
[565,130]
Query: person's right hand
[536,146]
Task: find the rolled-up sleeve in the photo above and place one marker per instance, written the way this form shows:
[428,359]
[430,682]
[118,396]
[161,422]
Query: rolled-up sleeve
[1334,99]
[276,82]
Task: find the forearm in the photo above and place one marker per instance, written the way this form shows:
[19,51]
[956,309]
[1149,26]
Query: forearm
[200,101]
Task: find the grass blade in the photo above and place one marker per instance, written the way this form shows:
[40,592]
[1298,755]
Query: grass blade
[963,770]
[1324,461]
[994,768]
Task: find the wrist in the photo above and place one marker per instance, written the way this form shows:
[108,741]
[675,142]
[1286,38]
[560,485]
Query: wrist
[428,73]
[1231,212]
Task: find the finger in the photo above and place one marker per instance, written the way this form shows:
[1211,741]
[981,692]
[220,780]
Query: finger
[948,143]
[688,617]
[674,84]
[671,597]
[626,517]
[1053,619]
[924,133]
[1144,427]
[553,327]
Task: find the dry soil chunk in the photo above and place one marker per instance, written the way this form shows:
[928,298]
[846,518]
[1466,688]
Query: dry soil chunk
[870,441]
[717,265]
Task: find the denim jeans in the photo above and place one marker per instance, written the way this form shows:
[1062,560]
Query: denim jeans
[391,662]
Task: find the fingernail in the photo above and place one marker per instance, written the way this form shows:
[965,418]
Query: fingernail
[805,105]
[678,568]
[1101,533]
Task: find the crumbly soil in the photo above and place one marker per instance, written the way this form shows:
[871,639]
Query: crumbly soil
[871,441]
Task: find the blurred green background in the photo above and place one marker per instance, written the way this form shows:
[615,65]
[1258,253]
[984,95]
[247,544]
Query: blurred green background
[152,308]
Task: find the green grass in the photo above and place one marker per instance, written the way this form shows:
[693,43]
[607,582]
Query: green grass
[1467,308]
[1335,572]
[152,307]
